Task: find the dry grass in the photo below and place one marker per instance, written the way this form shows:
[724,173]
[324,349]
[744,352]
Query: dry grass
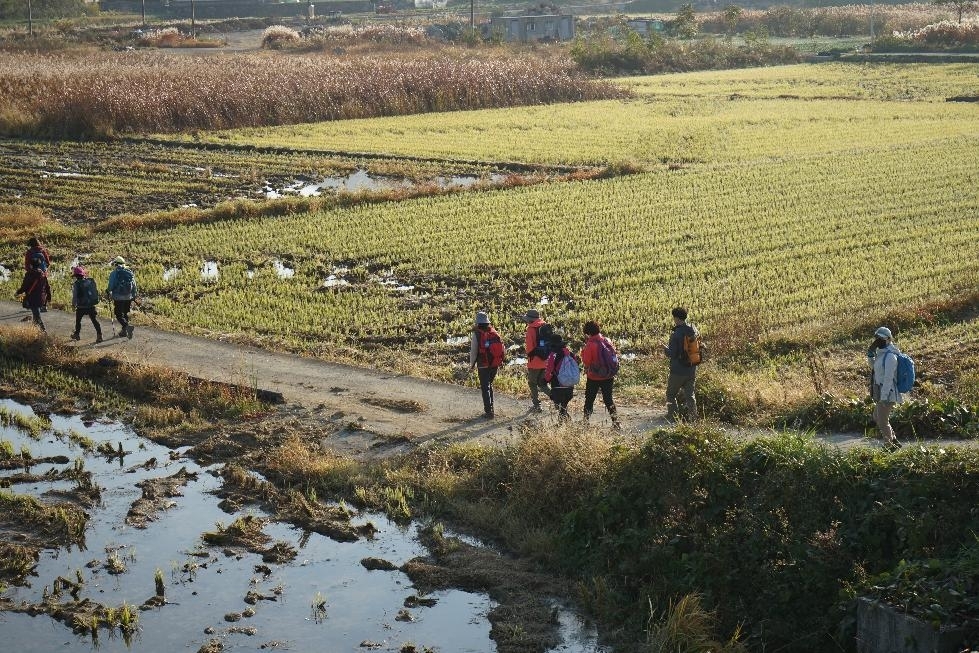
[686,627]
[18,222]
[107,93]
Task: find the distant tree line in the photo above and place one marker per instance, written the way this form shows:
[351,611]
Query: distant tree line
[17,9]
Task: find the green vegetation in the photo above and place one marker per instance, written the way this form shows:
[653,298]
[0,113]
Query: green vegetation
[774,535]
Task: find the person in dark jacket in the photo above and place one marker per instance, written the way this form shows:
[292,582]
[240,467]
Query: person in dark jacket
[560,394]
[122,290]
[35,250]
[85,300]
[682,380]
[36,291]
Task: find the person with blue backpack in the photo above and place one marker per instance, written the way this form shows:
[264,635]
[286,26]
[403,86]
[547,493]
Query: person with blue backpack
[893,376]
[601,363]
[122,290]
[85,300]
[562,372]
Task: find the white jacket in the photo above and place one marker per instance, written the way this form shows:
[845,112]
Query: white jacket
[885,375]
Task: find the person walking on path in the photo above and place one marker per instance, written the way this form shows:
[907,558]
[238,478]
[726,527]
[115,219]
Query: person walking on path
[36,291]
[122,289]
[884,389]
[36,250]
[85,300]
[486,355]
[601,363]
[682,380]
[562,389]
[536,347]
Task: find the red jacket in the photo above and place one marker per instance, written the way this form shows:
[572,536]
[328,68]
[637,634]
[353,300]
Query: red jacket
[589,355]
[36,288]
[530,343]
[37,251]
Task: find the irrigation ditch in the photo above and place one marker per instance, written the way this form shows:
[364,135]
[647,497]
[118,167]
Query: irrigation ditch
[180,549]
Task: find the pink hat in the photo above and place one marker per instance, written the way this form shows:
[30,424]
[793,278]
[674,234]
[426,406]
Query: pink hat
[78,271]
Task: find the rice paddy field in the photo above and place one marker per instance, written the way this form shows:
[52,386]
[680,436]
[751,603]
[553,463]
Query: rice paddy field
[795,204]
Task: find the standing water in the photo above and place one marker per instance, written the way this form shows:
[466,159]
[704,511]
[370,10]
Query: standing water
[324,600]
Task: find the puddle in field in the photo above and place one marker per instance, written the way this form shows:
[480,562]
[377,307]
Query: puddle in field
[361,180]
[355,605]
[4,274]
[170,274]
[282,271]
[209,271]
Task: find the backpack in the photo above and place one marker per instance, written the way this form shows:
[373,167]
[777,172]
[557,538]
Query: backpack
[692,348]
[491,348]
[125,284]
[88,293]
[905,373]
[607,364]
[568,372]
[543,348]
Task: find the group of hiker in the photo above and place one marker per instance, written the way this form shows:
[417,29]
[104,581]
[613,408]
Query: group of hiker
[553,369]
[85,296]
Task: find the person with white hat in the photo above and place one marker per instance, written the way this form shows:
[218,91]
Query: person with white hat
[85,300]
[884,389]
[537,348]
[122,290]
[486,353]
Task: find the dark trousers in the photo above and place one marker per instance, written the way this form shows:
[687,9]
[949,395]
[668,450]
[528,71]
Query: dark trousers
[561,398]
[90,312]
[486,377]
[121,308]
[591,391]
[36,314]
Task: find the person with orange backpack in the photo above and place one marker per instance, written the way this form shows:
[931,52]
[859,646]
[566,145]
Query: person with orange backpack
[683,350]
[486,354]
[601,363]
[537,347]
[36,291]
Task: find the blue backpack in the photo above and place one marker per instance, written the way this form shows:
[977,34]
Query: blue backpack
[905,373]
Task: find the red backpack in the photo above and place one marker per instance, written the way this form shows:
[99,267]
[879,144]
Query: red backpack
[491,349]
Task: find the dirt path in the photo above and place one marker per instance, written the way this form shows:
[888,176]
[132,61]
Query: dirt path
[372,408]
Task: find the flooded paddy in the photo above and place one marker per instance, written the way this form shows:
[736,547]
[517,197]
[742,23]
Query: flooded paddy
[329,597]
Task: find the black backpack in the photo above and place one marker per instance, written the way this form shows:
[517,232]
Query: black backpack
[543,347]
[88,293]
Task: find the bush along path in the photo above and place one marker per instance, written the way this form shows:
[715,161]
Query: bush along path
[382,413]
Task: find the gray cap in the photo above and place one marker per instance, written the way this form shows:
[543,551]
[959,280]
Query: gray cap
[531,315]
[482,318]
[883,332]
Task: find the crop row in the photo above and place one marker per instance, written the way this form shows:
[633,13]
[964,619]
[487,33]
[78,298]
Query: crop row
[109,93]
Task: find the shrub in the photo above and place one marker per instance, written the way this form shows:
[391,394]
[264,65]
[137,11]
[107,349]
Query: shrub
[941,36]
[277,36]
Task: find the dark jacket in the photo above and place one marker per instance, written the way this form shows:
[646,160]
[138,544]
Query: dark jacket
[36,287]
[676,353]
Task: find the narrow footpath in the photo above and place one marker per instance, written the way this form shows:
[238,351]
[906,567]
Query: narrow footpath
[373,407]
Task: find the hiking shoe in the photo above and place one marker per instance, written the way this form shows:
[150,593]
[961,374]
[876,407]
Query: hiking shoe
[129,332]
[98,338]
[536,408]
[616,426]
[489,415]
[75,336]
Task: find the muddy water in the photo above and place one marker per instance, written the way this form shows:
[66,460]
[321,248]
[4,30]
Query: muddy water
[358,607]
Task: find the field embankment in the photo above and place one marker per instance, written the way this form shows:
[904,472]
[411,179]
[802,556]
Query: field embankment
[104,94]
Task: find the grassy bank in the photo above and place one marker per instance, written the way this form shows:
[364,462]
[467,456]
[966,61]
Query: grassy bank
[773,537]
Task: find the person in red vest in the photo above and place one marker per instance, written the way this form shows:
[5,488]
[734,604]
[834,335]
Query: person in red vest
[537,350]
[486,354]
[36,291]
[601,363]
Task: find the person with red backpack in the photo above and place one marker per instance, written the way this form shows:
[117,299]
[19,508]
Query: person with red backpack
[36,291]
[601,363]
[486,353]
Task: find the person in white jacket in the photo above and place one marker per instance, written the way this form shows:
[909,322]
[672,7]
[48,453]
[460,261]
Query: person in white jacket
[884,387]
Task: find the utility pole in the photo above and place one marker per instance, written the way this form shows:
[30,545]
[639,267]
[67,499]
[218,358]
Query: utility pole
[472,18]
[144,12]
[193,13]
[871,21]
[30,19]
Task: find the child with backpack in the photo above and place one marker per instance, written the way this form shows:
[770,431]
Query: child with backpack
[122,290]
[85,300]
[601,363]
[486,353]
[36,291]
[563,373]
[893,375]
